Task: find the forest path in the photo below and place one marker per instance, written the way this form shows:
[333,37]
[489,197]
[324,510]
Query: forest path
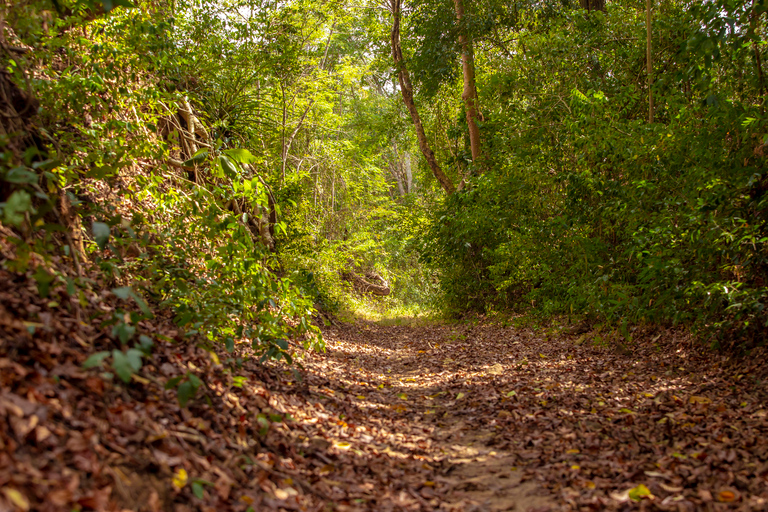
[490,418]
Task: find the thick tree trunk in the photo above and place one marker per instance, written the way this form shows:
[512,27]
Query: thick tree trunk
[593,5]
[470,90]
[406,89]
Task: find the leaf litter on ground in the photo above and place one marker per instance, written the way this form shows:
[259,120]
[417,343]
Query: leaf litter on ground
[418,417]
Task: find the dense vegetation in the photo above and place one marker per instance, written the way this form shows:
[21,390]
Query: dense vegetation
[245,163]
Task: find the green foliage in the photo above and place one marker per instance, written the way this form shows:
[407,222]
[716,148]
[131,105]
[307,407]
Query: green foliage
[590,210]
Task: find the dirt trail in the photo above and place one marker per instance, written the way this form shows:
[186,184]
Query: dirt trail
[483,417]
[451,417]
[404,385]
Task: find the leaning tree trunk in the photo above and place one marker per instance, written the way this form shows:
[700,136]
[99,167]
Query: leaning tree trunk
[406,89]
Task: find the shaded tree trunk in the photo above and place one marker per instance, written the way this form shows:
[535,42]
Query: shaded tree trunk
[470,89]
[406,89]
[649,58]
[592,5]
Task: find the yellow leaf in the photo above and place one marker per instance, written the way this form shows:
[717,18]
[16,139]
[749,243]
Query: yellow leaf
[699,400]
[360,397]
[574,450]
[459,396]
[402,396]
[16,498]
[429,484]
[542,356]
[639,492]
[343,445]
[589,484]
[575,467]
[180,479]
[214,357]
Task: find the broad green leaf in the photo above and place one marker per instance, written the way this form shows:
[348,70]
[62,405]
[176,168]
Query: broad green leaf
[44,280]
[122,365]
[185,392]
[196,382]
[197,490]
[95,359]
[240,155]
[134,358]
[124,332]
[197,158]
[123,292]
[172,383]
[16,206]
[21,175]
[229,167]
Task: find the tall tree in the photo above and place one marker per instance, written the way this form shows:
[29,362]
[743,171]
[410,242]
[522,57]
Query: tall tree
[470,89]
[406,89]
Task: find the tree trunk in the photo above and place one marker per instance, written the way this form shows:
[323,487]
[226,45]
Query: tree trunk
[593,5]
[649,58]
[470,90]
[408,173]
[406,89]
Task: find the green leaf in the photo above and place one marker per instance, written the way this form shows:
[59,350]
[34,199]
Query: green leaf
[134,358]
[146,344]
[172,383]
[240,155]
[124,332]
[122,365]
[111,4]
[95,359]
[197,490]
[100,234]
[194,380]
[197,158]
[21,175]
[16,206]
[142,304]
[229,167]
[123,292]
[229,344]
[44,280]
[185,392]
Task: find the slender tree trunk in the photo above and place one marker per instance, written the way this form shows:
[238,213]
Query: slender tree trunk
[470,89]
[408,173]
[649,58]
[406,89]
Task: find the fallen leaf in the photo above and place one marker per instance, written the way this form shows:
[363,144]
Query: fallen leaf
[180,479]
[639,492]
[16,498]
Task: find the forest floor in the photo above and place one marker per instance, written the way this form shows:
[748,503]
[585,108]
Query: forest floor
[423,416]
